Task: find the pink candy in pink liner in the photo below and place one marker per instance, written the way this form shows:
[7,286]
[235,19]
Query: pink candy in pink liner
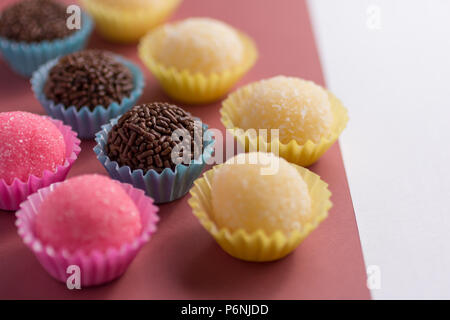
[88,212]
[29,145]
[97,266]
[13,193]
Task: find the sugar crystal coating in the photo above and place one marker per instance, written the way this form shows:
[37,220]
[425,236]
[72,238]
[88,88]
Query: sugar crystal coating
[300,109]
[244,196]
[88,212]
[29,145]
[199,45]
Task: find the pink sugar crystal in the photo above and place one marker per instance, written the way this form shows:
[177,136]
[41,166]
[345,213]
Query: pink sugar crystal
[29,145]
[88,212]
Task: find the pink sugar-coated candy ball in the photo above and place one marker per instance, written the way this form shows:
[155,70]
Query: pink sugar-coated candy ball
[29,145]
[88,212]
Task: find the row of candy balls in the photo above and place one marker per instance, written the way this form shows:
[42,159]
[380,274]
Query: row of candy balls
[93,214]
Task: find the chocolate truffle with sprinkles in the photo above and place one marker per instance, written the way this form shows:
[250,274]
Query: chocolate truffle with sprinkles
[34,21]
[142,137]
[88,78]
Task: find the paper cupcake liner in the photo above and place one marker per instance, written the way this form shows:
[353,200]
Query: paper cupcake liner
[129,25]
[194,88]
[96,267]
[85,121]
[162,187]
[11,195]
[25,58]
[303,155]
[258,246]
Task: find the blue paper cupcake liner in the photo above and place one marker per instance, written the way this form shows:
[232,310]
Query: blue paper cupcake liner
[85,121]
[25,58]
[162,187]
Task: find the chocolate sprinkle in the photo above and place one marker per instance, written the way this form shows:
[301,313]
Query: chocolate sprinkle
[88,78]
[142,137]
[34,21]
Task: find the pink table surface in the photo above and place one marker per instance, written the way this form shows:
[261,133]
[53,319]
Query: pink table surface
[182,261]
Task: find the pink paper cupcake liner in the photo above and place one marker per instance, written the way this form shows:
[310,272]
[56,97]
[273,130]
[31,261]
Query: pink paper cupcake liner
[11,195]
[96,267]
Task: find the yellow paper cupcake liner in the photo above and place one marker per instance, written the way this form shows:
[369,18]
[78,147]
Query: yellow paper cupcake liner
[258,246]
[300,154]
[196,88]
[129,25]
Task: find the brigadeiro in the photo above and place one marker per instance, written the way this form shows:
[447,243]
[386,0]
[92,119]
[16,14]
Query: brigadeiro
[34,21]
[143,147]
[88,78]
[34,152]
[87,88]
[142,138]
[41,29]
[90,221]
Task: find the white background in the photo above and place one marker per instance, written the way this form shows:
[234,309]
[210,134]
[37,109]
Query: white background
[389,61]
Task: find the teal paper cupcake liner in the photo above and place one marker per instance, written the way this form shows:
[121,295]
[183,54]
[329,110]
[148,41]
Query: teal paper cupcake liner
[86,122]
[25,58]
[162,187]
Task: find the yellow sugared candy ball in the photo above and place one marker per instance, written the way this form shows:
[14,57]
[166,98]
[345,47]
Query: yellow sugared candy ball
[258,190]
[198,45]
[300,109]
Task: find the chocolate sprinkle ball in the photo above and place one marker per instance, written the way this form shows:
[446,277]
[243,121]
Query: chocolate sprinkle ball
[142,138]
[88,78]
[34,21]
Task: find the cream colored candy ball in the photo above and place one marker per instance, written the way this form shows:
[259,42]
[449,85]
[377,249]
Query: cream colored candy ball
[300,109]
[244,197]
[199,45]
